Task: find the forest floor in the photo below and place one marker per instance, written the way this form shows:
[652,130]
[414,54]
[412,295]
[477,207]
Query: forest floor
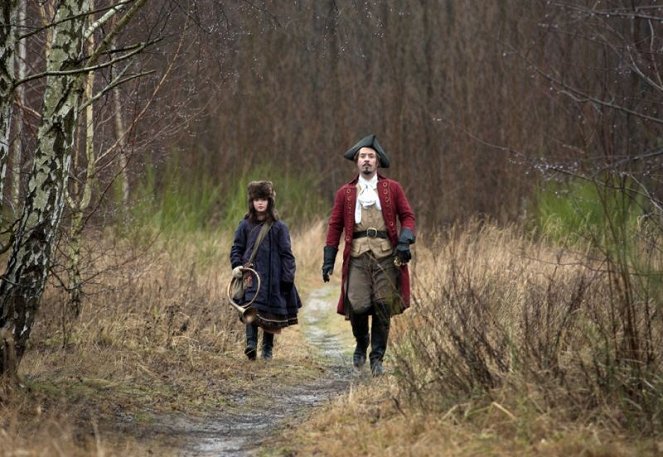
[256,413]
[235,407]
[154,365]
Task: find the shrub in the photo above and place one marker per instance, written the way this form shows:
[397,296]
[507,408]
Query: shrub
[496,309]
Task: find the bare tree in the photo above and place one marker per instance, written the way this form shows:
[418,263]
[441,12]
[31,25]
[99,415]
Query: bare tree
[612,85]
[71,60]
[25,277]
[8,16]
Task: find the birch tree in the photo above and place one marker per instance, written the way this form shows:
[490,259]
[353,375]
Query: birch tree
[17,144]
[23,283]
[8,15]
[72,56]
[85,162]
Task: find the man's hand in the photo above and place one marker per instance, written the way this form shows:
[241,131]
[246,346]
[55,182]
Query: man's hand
[238,272]
[326,272]
[328,259]
[402,251]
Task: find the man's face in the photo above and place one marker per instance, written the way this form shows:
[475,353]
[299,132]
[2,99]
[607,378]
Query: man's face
[367,162]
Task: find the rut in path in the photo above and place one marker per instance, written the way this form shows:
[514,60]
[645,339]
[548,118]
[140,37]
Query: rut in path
[241,433]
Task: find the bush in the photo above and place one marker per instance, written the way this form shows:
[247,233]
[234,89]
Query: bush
[496,309]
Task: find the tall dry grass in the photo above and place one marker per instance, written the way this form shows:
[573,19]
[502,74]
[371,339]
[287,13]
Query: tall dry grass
[495,309]
[155,336]
[508,349]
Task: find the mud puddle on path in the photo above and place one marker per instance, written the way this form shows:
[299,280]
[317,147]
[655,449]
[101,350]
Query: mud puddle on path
[240,429]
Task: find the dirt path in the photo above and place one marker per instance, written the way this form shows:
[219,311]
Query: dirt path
[247,422]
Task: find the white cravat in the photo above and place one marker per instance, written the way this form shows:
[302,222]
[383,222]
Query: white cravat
[367,196]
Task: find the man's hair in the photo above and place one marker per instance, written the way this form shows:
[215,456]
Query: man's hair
[377,157]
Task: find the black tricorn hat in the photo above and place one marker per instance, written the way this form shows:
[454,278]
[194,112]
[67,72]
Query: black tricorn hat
[370,141]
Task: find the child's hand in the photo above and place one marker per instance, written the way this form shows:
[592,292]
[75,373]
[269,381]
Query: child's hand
[237,272]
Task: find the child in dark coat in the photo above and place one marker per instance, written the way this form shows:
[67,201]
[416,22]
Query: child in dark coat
[276,301]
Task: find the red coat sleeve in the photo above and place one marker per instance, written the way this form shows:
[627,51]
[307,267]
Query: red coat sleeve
[336,221]
[403,210]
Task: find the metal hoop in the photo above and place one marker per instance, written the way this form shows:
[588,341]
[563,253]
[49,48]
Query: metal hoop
[228,290]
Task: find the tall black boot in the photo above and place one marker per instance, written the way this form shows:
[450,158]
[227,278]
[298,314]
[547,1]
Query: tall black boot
[251,341]
[359,324]
[379,337]
[359,356]
[267,345]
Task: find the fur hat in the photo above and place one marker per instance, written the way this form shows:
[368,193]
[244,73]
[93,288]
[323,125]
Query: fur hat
[261,189]
[370,141]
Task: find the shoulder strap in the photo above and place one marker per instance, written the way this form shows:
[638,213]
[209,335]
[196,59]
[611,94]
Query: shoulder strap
[261,236]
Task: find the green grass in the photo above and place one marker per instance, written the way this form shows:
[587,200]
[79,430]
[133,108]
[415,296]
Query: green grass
[179,201]
[600,211]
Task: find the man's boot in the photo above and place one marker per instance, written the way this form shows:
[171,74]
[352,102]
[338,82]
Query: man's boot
[267,345]
[359,356]
[376,368]
[251,341]
[360,331]
[379,338]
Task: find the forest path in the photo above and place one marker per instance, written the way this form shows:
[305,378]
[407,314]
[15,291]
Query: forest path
[242,428]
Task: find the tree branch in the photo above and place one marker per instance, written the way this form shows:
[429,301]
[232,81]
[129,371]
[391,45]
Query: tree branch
[124,20]
[77,16]
[580,96]
[116,82]
[139,48]
[102,20]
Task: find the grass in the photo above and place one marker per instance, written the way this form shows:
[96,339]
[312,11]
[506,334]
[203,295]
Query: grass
[500,355]
[166,340]
[176,208]
[579,210]
[371,421]
[154,338]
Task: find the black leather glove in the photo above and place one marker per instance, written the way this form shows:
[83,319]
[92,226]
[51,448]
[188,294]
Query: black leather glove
[403,247]
[328,259]
[403,253]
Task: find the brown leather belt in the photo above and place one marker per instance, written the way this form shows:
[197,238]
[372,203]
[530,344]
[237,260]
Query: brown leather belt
[370,233]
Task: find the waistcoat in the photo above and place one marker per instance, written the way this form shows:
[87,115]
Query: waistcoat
[371,217]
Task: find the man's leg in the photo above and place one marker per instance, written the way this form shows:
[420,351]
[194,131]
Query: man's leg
[385,277]
[379,337]
[359,324]
[359,298]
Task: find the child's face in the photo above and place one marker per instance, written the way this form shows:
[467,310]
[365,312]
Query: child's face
[260,205]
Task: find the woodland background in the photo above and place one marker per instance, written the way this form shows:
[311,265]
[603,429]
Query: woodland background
[475,101]
[129,124]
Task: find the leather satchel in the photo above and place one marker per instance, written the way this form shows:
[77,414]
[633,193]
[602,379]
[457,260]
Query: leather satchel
[239,285]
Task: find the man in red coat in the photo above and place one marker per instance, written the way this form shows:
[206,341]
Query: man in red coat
[378,225]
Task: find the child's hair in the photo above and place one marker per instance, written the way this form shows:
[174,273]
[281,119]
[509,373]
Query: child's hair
[264,190]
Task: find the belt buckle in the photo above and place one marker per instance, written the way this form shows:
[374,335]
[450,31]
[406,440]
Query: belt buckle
[372,232]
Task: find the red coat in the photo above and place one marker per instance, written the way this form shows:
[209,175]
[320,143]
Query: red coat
[395,208]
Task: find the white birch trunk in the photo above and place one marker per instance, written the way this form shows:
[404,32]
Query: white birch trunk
[120,133]
[25,277]
[7,61]
[18,115]
[79,199]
